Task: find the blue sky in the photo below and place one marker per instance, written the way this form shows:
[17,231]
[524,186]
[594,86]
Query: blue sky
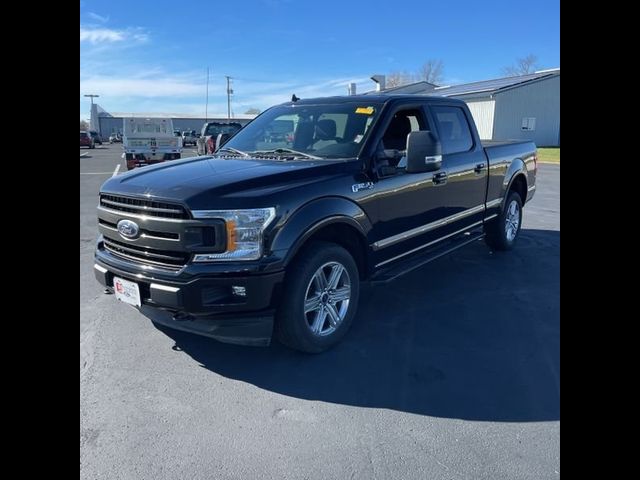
[152,56]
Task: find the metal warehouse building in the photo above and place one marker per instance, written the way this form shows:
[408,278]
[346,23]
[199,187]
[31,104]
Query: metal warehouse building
[107,123]
[526,107]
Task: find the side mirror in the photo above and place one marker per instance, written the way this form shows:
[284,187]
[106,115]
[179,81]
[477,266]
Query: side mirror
[221,139]
[424,152]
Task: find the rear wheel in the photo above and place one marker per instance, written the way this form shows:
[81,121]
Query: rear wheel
[503,231]
[320,298]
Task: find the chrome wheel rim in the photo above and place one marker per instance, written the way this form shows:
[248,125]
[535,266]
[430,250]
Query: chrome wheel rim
[326,299]
[512,220]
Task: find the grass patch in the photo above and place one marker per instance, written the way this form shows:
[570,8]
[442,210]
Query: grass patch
[551,155]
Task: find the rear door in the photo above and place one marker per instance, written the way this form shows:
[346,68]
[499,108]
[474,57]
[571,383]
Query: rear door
[464,165]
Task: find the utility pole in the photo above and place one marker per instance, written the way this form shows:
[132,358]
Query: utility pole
[229,92]
[206,105]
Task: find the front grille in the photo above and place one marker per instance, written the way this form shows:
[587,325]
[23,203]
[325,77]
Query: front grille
[144,232]
[143,206]
[160,258]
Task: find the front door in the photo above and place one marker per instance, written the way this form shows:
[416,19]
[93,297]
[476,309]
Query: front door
[417,210]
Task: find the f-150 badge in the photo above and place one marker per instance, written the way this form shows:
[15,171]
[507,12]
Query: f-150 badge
[361,186]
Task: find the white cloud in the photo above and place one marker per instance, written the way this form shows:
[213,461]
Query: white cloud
[266,97]
[159,91]
[98,18]
[99,35]
[145,87]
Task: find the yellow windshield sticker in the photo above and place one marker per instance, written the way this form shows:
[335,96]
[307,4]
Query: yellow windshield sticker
[365,110]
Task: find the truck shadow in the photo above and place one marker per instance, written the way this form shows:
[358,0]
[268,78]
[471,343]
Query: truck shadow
[475,336]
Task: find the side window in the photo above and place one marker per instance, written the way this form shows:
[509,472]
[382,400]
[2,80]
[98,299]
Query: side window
[453,128]
[402,124]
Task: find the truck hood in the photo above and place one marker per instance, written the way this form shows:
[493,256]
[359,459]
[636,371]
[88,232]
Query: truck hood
[209,183]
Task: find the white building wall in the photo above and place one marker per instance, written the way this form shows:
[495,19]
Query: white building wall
[483,115]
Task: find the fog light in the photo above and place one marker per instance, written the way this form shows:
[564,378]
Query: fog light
[239,291]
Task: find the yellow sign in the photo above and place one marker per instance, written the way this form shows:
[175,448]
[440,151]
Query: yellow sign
[365,110]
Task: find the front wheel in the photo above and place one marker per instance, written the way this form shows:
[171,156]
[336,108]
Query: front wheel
[503,231]
[320,298]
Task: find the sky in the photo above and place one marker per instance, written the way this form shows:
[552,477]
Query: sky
[152,55]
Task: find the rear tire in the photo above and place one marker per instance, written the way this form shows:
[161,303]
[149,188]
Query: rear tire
[320,298]
[503,231]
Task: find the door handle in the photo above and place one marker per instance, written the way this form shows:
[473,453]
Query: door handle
[479,167]
[440,178]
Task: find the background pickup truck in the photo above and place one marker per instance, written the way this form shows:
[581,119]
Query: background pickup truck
[206,142]
[189,137]
[277,230]
[149,140]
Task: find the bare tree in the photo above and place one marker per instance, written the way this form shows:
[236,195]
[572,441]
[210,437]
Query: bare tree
[432,71]
[84,125]
[523,66]
[397,79]
[252,111]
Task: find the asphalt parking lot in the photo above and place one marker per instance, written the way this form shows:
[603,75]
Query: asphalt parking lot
[451,372]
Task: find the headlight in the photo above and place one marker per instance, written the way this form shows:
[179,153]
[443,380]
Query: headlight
[244,228]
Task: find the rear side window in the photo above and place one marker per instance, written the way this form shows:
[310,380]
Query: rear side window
[453,127]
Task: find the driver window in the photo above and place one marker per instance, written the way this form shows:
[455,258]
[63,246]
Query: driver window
[395,138]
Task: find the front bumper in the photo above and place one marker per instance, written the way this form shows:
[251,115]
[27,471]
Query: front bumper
[233,308]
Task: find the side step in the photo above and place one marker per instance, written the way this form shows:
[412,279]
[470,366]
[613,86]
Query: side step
[417,260]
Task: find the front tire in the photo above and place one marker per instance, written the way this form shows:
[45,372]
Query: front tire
[320,298]
[502,232]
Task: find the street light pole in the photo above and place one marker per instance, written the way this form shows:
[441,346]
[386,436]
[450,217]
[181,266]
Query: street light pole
[206,105]
[229,92]
[91,96]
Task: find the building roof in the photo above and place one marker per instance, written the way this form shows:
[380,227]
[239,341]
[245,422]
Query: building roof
[178,115]
[486,87]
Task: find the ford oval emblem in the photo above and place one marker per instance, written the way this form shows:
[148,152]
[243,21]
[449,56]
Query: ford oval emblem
[128,229]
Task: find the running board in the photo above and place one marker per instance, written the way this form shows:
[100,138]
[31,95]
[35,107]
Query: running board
[412,262]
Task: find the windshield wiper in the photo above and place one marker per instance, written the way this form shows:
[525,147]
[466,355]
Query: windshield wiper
[232,150]
[285,150]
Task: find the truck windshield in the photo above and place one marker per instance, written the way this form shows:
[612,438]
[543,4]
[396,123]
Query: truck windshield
[325,130]
[215,129]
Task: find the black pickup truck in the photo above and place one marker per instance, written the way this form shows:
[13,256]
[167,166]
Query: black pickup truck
[274,234]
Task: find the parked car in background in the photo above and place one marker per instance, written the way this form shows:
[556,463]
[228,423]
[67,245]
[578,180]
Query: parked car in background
[189,137]
[207,142]
[149,140]
[115,138]
[86,140]
[96,137]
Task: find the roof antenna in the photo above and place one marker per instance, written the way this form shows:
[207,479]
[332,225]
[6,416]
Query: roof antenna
[294,98]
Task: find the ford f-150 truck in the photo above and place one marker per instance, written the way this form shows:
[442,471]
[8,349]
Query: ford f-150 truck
[274,234]
[206,142]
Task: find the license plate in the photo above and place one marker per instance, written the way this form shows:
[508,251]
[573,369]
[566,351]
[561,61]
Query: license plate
[126,291]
